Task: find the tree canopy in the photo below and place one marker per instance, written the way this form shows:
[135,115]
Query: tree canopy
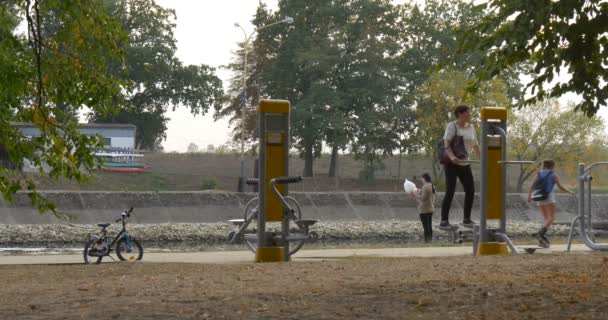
[63,60]
[568,38]
[114,58]
[547,130]
[158,80]
[352,70]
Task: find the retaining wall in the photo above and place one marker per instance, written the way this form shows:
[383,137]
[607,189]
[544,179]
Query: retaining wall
[210,206]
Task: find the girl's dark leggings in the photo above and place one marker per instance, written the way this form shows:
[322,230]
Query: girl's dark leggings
[427,224]
[464,173]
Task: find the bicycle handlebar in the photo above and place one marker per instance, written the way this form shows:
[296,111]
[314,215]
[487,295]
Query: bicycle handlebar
[126,214]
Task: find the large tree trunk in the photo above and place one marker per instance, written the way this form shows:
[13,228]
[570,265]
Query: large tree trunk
[308,159]
[333,162]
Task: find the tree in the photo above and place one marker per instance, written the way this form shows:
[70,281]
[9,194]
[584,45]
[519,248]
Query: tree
[428,39]
[158,79]
[556,37]
[62,61]
[326,66]
[548,130]
[192,148]
[301,69]
[368,82]
[259,54]
[437,98]
[352,71]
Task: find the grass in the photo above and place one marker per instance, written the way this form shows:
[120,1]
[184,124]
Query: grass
[193,171]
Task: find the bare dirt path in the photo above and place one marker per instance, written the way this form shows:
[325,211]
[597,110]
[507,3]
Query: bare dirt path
[555,286]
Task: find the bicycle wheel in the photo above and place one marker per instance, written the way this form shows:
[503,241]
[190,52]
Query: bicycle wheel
[88,248]
[294,246]
[135,254]
[252,206]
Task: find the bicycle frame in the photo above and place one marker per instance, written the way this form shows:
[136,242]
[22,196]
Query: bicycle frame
[104,235]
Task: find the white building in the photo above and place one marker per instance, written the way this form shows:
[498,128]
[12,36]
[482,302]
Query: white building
[115,135]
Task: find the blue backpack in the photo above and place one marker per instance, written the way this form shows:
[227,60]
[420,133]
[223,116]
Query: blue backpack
[543,186]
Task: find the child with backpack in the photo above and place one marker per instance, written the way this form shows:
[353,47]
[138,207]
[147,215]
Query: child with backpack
[542,192]
[426,201]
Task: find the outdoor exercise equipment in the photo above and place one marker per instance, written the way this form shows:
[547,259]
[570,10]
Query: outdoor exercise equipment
[488,241]
[273,203]
[584,217]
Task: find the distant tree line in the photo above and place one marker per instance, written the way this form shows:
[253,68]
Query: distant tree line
[377,79]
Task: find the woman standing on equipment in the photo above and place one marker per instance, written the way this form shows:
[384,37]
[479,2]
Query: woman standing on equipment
[459,139]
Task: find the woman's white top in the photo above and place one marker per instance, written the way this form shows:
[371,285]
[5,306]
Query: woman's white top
[468,135]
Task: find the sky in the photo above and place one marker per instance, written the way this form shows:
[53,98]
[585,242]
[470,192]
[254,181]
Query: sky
[206,34]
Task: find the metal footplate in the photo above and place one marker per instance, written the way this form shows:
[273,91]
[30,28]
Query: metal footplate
[516,249]
[456,234]
[453,233]
[237,222]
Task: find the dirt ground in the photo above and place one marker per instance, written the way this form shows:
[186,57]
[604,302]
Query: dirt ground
[555,286]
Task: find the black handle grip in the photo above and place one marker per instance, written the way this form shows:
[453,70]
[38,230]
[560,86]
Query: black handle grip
[252,181]
[283,180]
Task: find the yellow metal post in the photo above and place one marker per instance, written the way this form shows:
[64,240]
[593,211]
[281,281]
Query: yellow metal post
[273,120]
[493,179]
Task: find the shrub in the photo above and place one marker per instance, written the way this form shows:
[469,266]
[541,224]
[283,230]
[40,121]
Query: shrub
[209,183]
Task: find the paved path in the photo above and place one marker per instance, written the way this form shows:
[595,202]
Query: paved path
[246,256]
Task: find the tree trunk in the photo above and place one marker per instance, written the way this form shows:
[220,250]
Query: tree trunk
[308,159]
[333,162]
[520,182]
[523,177]
[399,169]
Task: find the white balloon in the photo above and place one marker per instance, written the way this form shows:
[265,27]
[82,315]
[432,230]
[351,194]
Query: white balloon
[409,186]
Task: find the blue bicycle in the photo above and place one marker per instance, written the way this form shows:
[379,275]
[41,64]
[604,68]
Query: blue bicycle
[100,245]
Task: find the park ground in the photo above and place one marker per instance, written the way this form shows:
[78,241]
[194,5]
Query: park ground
[540,286]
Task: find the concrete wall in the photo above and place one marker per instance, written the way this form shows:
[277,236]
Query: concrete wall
[210,206]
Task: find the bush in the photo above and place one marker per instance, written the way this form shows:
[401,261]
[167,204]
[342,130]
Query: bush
[368,173]
[209,184]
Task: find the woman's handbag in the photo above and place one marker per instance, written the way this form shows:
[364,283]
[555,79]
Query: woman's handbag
[458,148]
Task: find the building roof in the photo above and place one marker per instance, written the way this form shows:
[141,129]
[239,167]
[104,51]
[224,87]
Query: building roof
[82,125]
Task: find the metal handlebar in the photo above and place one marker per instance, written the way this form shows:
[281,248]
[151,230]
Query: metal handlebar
[469,161]
[517,162]
[284,180]
[125,214]
[595,164]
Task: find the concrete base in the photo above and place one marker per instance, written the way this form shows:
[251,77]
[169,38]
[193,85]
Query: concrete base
[269,254]
[492,248]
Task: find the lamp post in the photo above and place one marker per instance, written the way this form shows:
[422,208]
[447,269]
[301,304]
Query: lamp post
[288,20]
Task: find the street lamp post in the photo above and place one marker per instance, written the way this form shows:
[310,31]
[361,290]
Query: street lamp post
[288,20]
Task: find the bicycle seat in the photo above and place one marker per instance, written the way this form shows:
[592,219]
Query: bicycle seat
[103,225]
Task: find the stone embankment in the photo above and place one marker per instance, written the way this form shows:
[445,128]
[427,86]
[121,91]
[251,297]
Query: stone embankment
[202,216]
